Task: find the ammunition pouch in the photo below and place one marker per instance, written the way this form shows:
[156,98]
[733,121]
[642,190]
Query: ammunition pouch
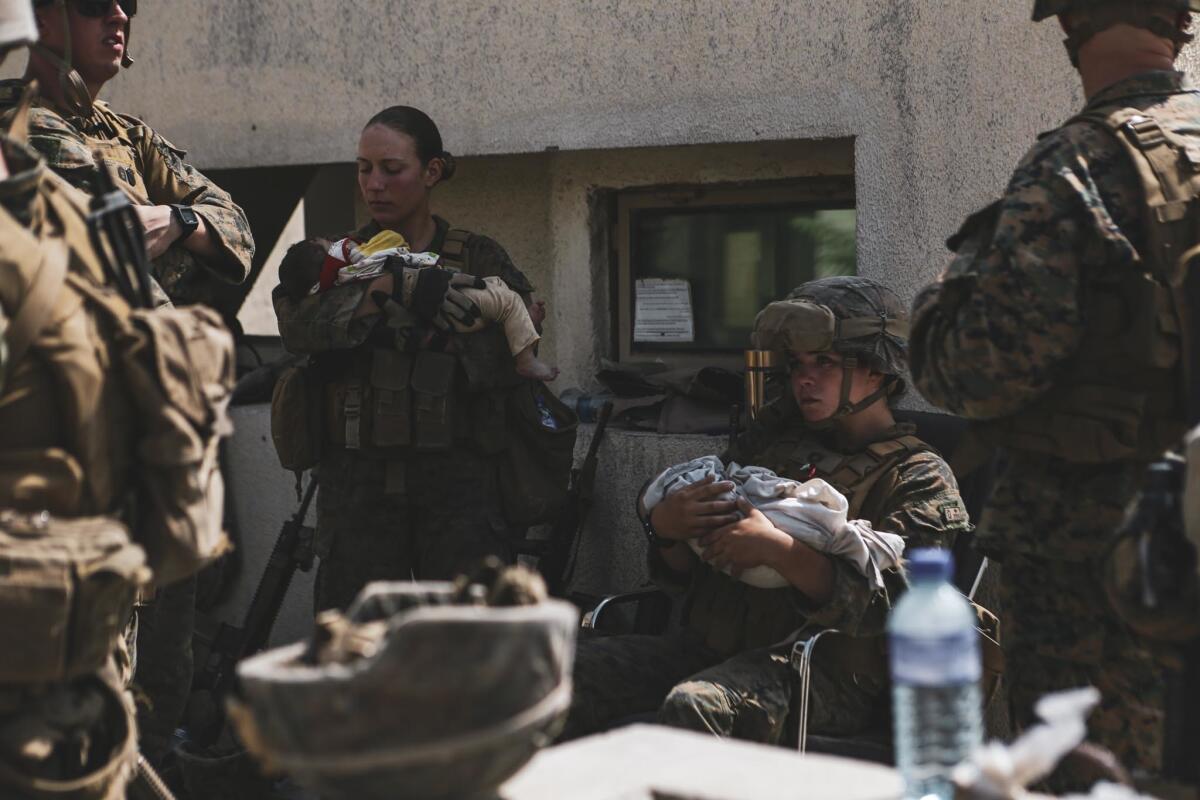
[296,427]
[389,401]
[433,400]
[67,588]
[535,469]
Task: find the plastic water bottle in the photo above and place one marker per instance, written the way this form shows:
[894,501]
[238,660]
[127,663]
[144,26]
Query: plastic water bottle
[586,406]
[936,669]
[545,415]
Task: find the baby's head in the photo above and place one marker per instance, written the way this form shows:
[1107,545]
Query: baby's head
[301,266]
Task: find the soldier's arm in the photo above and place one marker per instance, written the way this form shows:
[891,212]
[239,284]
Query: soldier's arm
[489,259]
[327,321]
[923,506]
[223,242]
[990,335]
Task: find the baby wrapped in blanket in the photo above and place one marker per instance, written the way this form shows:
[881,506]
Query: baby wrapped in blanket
[811,511]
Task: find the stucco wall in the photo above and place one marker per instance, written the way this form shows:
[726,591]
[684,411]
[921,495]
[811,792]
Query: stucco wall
[539,207]
[940,97]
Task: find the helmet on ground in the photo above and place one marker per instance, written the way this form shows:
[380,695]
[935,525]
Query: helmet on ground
[18,27]
[1099,15]
[862,320]
[471,692]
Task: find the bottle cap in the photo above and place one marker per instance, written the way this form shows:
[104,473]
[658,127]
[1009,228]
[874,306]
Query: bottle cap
[930,563]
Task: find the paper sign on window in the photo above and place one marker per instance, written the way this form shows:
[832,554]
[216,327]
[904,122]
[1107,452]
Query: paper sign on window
[663,311]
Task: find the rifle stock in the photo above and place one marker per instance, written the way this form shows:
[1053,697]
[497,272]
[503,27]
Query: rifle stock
[558,563]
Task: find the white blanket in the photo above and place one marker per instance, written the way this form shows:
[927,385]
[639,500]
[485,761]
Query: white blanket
[813,512]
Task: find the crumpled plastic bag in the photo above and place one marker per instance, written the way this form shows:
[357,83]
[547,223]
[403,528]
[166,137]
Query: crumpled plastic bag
[997,771]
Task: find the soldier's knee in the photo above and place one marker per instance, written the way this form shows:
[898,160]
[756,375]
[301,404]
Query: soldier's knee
[699,706]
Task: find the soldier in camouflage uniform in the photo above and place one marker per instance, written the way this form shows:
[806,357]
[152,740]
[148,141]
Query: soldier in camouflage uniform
[195,232]
[195,235]
[727,671]
[1057,327]
[66,453]
[412,416]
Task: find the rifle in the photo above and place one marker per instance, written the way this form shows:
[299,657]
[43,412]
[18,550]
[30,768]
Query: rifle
[118,237]
[292,551]
[557,564]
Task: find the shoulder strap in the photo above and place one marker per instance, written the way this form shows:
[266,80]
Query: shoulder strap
[1169,170]
[884,454]
[1170,175]
[454,250]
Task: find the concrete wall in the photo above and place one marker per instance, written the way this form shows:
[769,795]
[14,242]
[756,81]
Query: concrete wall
[929,102]
[940,96]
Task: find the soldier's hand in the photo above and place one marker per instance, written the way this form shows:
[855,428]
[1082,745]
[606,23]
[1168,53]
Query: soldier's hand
[434,296]
[696,510]
[752,541]
[160,227]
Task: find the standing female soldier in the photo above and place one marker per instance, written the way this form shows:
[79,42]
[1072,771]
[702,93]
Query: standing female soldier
[411,419]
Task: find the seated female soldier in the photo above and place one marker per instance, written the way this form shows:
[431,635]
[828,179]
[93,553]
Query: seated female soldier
[727,670]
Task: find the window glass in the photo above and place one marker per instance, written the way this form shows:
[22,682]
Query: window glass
[737,259]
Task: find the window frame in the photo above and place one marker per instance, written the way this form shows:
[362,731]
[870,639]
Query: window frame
[818,193]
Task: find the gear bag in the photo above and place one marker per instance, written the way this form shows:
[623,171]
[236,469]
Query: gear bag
[67,587]
[179,366]
[1122,396]
[296,418]
[535,467]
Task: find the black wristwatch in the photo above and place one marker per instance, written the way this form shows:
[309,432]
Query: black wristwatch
[652,535]
[188,220]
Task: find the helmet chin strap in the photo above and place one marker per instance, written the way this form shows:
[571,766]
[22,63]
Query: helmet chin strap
[845,407]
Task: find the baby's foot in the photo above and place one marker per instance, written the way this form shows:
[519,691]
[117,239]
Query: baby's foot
[529,366]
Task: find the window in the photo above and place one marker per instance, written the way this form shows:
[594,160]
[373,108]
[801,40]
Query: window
[697,264]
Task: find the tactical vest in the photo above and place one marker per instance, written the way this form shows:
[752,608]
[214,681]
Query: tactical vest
[1122,396]
[731,615]
[855,475]
[385,402]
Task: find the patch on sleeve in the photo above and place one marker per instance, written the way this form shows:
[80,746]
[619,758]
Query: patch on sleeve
[952,513]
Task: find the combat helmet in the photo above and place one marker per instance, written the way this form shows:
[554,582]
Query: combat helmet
[474,681]
[17,25]
[861,320]
[76,96]
[1103,14]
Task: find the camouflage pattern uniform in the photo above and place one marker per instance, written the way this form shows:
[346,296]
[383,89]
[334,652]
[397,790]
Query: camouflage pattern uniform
[64,443]
[727,671]
[996,335]
[151,171]
[406,513]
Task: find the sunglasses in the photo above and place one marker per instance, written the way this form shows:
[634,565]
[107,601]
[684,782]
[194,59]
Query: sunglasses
[95,9]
